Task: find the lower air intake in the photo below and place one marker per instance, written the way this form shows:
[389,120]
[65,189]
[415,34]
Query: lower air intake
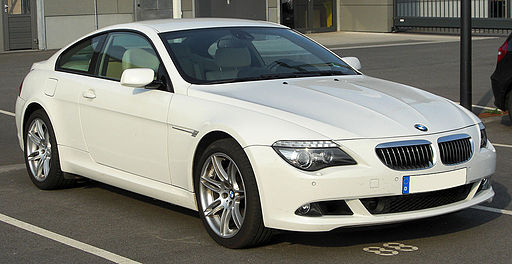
[413,202]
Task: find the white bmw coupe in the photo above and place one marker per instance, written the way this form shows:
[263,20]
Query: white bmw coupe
[253,125]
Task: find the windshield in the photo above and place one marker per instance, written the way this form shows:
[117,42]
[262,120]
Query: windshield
[220,55]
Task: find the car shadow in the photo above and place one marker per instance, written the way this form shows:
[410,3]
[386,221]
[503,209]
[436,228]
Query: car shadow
[86,183]
[344,237]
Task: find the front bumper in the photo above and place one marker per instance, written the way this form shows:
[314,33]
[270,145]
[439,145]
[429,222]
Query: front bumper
[284,188]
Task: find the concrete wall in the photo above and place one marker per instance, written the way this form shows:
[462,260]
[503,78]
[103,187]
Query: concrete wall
[366,15]
[273,11]
[67,20]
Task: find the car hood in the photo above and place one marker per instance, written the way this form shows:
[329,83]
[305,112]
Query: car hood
[345,107]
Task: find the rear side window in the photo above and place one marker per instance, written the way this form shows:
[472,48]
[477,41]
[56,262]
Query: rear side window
[78,58]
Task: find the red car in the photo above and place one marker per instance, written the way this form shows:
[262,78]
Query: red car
[501,79]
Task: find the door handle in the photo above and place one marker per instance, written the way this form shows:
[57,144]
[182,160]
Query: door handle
[89,94]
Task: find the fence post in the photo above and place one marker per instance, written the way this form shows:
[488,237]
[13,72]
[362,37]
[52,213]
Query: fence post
[465,55]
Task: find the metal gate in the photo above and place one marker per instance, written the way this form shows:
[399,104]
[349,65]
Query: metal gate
[486,14]
[19,21]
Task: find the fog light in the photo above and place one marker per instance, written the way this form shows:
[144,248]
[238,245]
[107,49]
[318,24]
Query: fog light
[309,209]
[303,210]
[485,184]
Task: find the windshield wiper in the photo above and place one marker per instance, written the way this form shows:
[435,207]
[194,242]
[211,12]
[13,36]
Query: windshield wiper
[286,65]
[271,76]
[330,64]
[319,73]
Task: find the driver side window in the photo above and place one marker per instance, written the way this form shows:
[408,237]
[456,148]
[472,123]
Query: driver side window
[126,50]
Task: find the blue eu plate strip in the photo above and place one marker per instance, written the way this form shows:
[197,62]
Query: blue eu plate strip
[405,184]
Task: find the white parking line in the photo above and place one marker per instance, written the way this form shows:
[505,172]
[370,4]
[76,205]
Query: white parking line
[66,240]
[481,106]
[7,113]
[502,145]
[494,210]
[7,168]
[484,107]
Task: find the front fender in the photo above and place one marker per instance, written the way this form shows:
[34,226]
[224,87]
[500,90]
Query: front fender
[190,119]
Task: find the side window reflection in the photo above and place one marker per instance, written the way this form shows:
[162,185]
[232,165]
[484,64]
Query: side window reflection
[125,50]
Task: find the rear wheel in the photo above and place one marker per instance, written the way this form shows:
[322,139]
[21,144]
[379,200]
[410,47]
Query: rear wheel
[227,196]
[509,104]
[41,154]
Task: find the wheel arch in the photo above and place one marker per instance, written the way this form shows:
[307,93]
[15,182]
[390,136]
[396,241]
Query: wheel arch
[203,143]
[31,108]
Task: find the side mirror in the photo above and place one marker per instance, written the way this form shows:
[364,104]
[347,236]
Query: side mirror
[137,77]
[352,62]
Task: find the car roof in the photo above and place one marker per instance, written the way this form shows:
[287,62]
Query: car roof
[166,25]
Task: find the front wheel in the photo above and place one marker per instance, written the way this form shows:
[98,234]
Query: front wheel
[227,196]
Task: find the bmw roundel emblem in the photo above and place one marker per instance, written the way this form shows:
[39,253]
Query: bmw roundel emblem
[421,127]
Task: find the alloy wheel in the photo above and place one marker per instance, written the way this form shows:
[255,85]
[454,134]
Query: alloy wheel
[39,149]
[222,195]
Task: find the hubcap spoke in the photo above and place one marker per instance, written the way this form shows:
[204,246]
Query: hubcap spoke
[237,217]
[47,139]
[34,138]
[232,175]
[40,130]
[219,170]
[213,208]
[33,156]
[39,168]
[211,184]
[46,166]
[224,220]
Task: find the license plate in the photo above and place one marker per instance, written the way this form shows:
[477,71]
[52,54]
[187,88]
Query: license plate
[433,182]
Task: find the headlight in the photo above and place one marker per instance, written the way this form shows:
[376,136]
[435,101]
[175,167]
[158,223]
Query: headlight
[312,155]
[483,136]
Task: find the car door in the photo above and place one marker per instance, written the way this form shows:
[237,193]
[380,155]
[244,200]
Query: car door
[74,74]
[125,128]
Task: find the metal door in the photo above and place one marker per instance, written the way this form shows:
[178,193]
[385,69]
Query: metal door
[309,15]
[247,9]
[152,9]
[19,21]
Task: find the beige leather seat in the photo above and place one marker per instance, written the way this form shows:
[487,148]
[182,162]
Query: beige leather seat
[113,62]
[230,61]
[140,58]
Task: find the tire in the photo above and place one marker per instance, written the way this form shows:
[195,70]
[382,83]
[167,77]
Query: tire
[229,207]
[41,153]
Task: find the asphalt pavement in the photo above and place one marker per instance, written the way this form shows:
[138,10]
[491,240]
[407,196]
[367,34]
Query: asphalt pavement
[95,222]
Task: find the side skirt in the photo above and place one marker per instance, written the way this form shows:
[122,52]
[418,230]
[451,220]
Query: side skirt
[74,161]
